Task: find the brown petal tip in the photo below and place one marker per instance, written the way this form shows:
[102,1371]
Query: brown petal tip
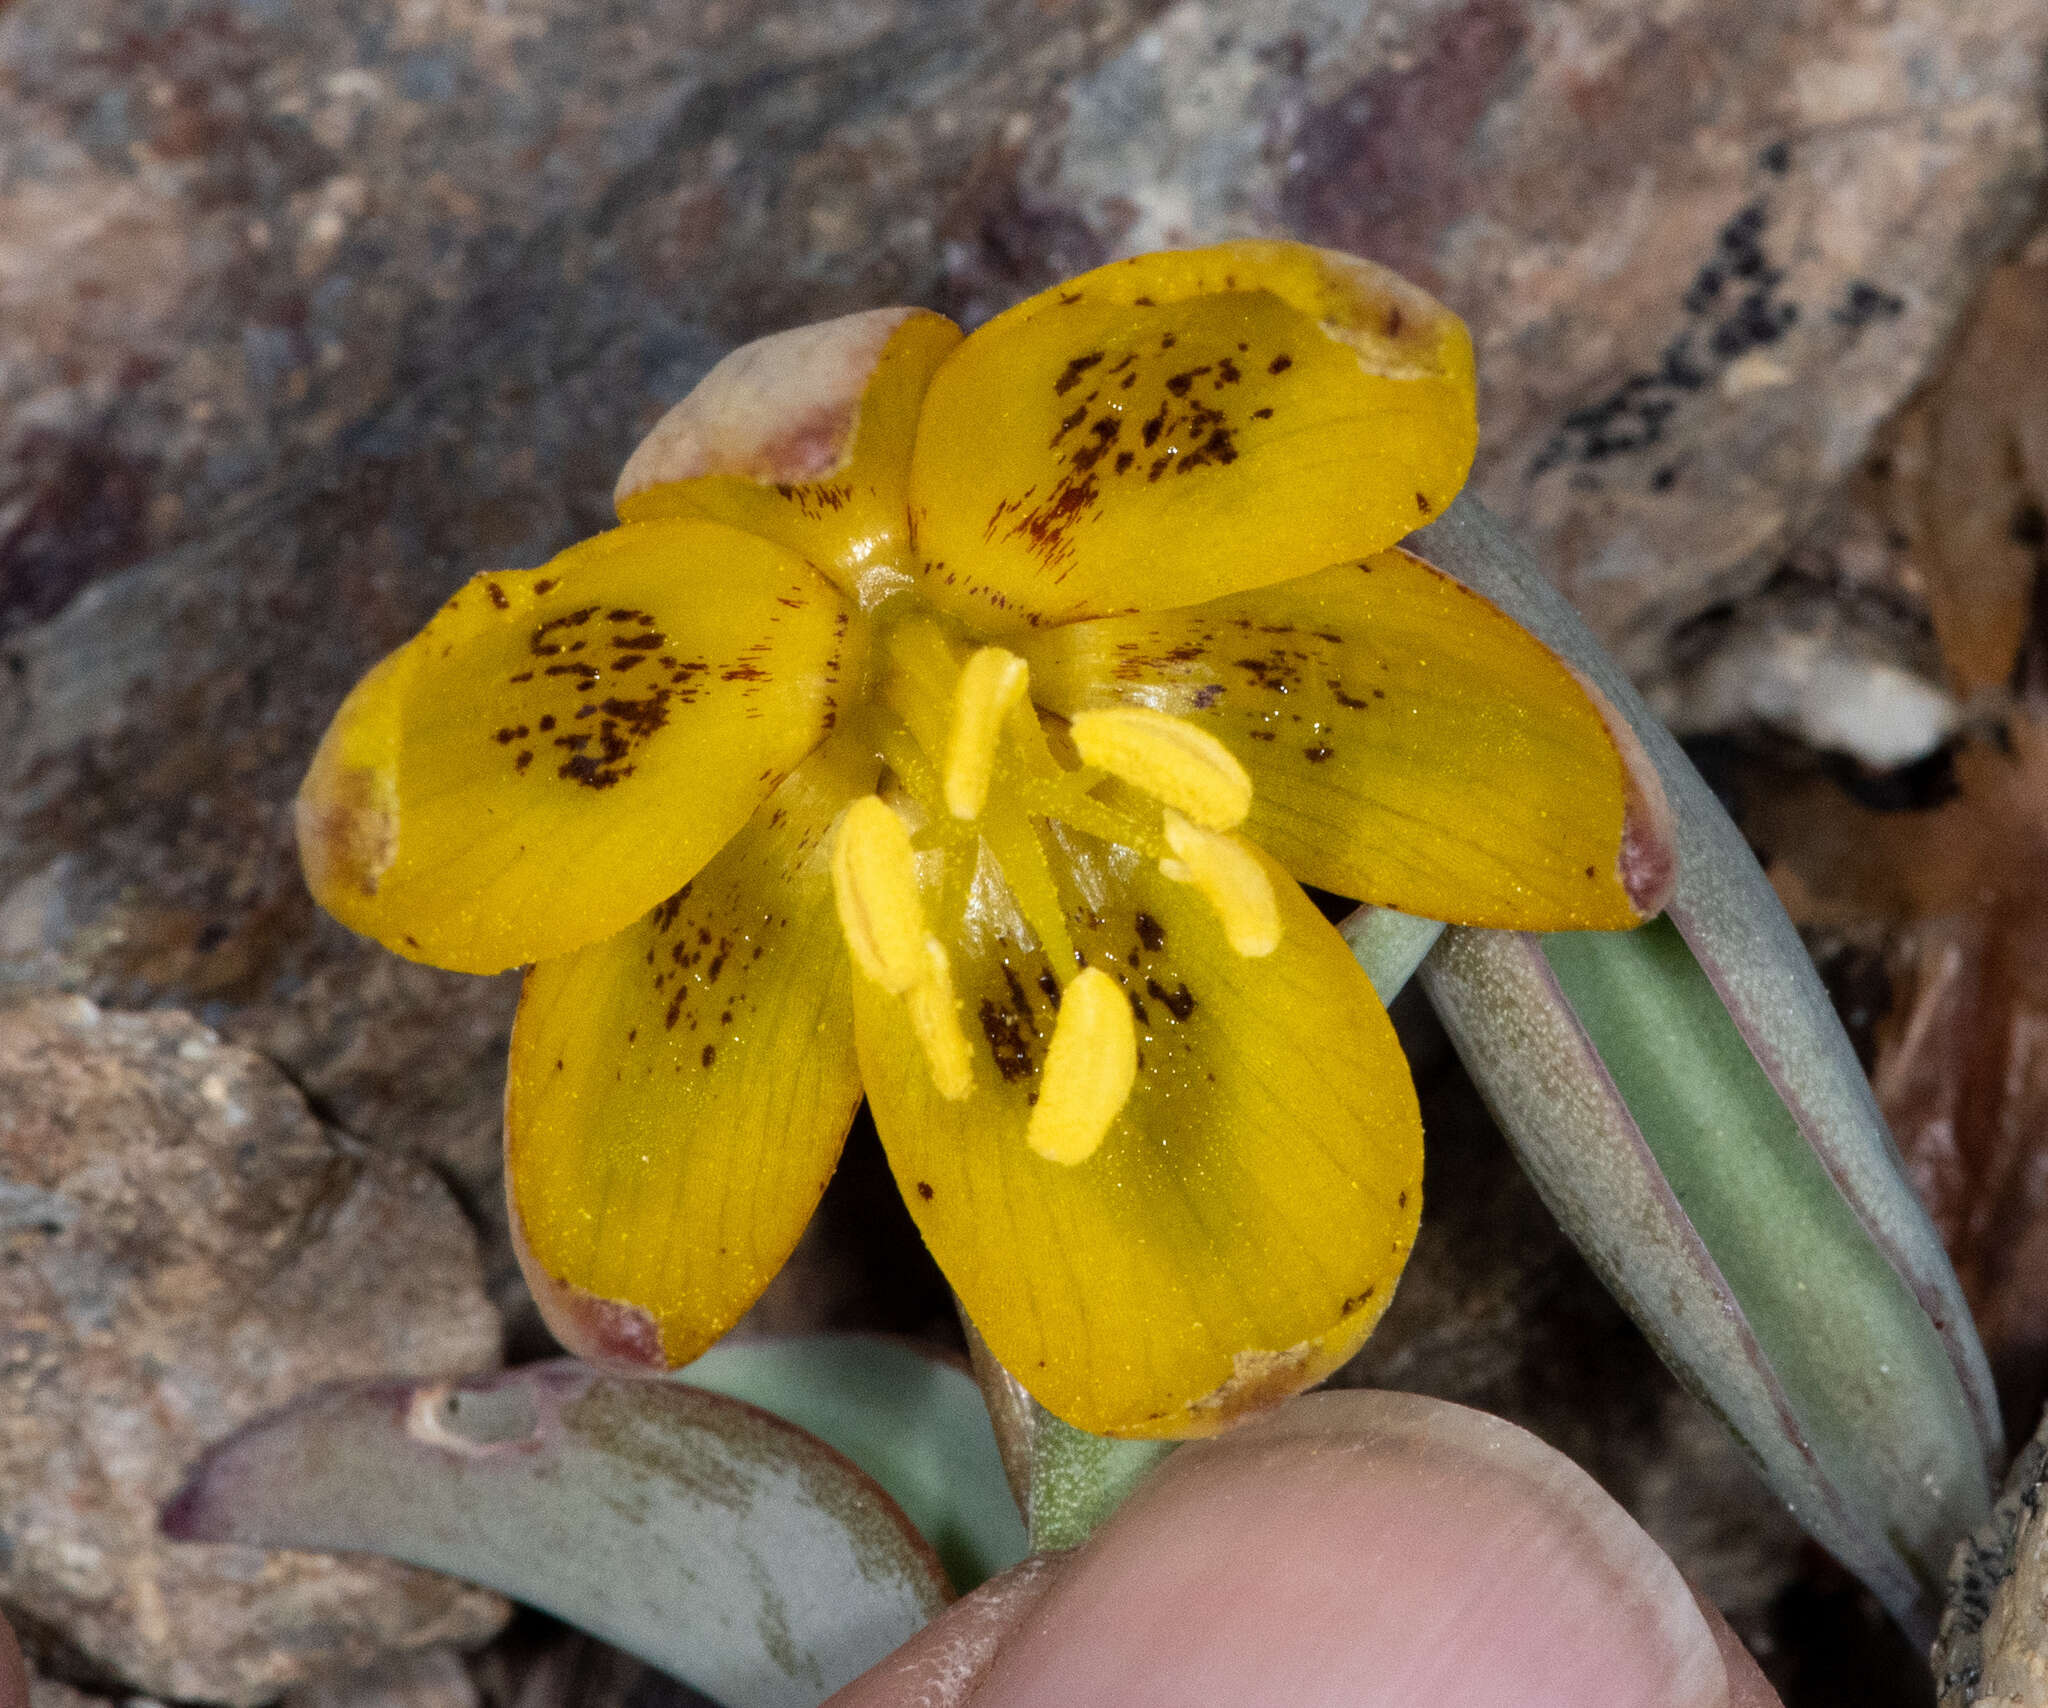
[781,410]
[347,831]
[1397,328]
[1648,863]
[607,1333]
[1258,1381]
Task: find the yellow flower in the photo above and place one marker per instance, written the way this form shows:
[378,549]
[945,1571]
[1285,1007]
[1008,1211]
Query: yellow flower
[945,719]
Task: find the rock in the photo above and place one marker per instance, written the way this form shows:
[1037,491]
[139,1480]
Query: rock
[186,1246]
[1837,670]
[1704,251]
[560,1668]
[1913,590]
[431,1678]
[1992,1650]
[51,1693]
[386,294]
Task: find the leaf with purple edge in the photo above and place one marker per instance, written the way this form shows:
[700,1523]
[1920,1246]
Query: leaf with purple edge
[712,1540]
[1687,1102]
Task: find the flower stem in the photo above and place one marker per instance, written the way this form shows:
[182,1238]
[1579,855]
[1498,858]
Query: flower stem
[1389,946]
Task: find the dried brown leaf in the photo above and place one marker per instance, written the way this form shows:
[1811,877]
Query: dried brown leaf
[1959,896]
[1971,462]
[1962,1068]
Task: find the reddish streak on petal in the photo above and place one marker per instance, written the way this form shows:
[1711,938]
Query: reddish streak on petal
[1649,832]
[607,1333]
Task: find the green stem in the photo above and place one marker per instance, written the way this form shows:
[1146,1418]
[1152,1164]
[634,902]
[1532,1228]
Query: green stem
[1389,946]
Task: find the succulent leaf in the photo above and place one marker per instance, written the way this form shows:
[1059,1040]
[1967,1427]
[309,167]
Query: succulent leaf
[1690,1108]
[715,1542]
[913,1423]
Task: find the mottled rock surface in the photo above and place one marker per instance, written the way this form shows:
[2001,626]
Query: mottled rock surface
[1705,248]
[432,1678]
[310,311]
[184,1247]
[53,1693]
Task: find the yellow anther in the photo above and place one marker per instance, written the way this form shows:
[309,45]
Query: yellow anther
[1170,759]
[935,1018]
[992,682]
[1231,880]
[874,881]
[1090,1068]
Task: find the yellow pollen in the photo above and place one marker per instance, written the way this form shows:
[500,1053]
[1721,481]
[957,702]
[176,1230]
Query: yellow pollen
[1231,881]
[1089,1070]
[992,682]
[1170,759]
[935,1018]
[874,882]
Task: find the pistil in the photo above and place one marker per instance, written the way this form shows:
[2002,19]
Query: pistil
[966,746]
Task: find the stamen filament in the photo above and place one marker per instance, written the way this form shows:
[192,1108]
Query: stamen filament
[899,751]
[919,679]
[1070,803]
[1231,881]
[1170,759]
[1033,754]
[1013,839]
[991,686]
[1090,1068]
[874,883]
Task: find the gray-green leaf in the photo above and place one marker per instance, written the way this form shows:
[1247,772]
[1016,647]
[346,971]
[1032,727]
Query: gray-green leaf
[718,1543]
[914,1424]
[1688,1104]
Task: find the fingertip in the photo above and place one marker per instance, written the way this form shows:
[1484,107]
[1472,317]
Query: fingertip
[1351,1550]
[945,1663]
[1747,1686]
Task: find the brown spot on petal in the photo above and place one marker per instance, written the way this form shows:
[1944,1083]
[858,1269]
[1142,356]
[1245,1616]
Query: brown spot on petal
[1070,376]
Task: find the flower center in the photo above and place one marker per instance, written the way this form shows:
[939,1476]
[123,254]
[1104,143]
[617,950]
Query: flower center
[975,782]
